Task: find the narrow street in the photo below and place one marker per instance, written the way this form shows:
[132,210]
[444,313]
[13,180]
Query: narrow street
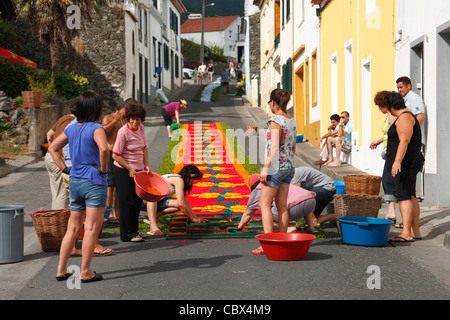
[160,269]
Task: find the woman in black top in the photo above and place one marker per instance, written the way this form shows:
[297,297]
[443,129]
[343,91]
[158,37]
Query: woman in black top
[404,160]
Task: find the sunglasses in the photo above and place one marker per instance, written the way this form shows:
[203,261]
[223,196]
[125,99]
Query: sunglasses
[342,117]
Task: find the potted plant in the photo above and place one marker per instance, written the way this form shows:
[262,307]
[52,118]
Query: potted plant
[39,90]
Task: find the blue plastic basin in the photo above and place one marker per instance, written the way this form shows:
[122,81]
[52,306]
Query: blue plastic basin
[300,138]
[340,187]
[365,231]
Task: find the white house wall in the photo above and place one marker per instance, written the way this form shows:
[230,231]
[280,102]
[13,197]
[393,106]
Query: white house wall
[307,32]
[131,60]
[421,22]
[212,38]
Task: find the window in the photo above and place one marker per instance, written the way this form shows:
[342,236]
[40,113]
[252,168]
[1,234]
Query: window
[140,25]
[155,3]
[145,27]
[314,78]
[288,9]
[177,67]
[146,81]
[132,42]
[166,57]
[133,88]
[141,80]
[286,77]
[174,21]
[334,84]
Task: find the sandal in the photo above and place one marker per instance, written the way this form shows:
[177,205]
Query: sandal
[137,238]
[258,251]
[155,233]
[103,252]
[400,239]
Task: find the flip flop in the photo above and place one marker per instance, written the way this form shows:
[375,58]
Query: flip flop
[77,254]
[96,277]
[393,220]
[137,238]
[155,233]
[103,252]
[334,166]
[399,226]
[113,221]
[400,239]
[258,251]
[64,277]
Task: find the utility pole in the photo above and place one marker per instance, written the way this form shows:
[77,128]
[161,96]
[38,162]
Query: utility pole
[202,46]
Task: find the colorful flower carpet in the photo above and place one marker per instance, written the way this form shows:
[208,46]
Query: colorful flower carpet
[221,196]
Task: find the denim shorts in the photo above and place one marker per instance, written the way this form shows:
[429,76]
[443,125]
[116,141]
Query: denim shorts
[162,204]
[85,194]
[280,177]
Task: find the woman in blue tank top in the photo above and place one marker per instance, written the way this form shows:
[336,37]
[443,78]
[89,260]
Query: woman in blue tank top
[87,185]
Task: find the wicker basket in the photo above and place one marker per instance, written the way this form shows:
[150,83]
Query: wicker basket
[32,99]
[362,184]
[51,227]
[356,206]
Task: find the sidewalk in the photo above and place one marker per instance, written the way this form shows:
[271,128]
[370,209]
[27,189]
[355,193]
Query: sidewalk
[433,250]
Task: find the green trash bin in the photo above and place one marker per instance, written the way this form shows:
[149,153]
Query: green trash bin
[11,233]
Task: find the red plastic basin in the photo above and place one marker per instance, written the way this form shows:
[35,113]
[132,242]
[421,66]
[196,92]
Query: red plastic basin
[284,246]
[145,179]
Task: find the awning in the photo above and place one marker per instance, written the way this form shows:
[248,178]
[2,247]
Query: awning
[12,58]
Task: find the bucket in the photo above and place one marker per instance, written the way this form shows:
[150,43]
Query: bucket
[174,126]
[145,180]
[11,233]
[365,231]
[300,138]
[284,246]
[340,187]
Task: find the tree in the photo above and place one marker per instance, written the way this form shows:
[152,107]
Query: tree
[49,21]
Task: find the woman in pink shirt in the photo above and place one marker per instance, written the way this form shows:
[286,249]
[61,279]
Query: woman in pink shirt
[170,111]
[130,155]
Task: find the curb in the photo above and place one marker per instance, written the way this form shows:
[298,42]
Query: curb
[15,164]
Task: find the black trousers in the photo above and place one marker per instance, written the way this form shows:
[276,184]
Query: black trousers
[129,204]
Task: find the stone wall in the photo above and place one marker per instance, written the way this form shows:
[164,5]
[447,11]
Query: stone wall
[255,44]
[100,55]
[103,60]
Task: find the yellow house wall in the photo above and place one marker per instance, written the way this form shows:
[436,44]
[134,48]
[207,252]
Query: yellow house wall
[372,37]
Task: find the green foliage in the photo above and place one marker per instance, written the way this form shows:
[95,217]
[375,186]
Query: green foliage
[16,78]
[8,35]
[219,9]
[13,79]
[69,84]
[238,150]
[198,95]
[44,84]
[215,96]
[191,52]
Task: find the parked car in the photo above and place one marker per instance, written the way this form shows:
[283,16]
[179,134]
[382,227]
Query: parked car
[188,73]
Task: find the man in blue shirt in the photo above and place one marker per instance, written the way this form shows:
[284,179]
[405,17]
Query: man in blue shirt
[225,79]
[412,100]
[343,141]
